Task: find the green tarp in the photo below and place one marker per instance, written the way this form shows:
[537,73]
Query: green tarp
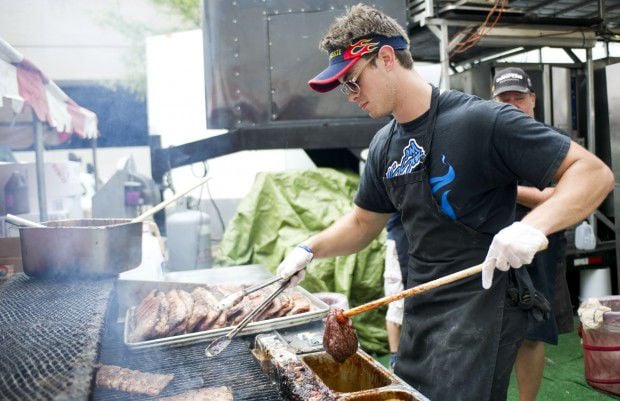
[285,208]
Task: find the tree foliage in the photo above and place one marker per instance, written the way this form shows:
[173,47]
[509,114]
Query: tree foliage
[187,13]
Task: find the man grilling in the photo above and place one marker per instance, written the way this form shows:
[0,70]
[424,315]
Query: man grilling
[449,164]
[548,269]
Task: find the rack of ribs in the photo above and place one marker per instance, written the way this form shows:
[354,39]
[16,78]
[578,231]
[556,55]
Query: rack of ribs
[203,394]
[131,381]
[163,314]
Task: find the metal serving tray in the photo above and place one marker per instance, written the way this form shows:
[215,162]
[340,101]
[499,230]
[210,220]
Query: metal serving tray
[130,293]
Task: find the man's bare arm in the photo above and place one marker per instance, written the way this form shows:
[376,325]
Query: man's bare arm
[531,197]
[583,182]
[350,234]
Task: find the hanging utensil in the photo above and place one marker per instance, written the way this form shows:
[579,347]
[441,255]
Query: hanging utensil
[18,221]
[219,344]
[165,203]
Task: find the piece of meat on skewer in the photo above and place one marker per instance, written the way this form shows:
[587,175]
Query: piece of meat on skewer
[203,394]
[131,381]
[339,338]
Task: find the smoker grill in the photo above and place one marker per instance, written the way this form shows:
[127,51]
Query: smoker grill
[49,335]
[235,367]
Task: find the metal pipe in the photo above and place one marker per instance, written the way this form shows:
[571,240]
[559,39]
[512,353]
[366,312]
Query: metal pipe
[95,170]
[591,123]
[571,42]
[430,8]
[40,167]
[547,112]
[445,58]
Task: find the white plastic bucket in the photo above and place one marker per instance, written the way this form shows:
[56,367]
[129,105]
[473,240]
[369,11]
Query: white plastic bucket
[594,283]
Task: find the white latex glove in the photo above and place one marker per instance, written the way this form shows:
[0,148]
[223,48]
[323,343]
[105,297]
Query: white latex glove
[514,246]
[294,264]
[591,313]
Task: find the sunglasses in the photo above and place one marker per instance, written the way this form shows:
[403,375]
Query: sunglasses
[350,86]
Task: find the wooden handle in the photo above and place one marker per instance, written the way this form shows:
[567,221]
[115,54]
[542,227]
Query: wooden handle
[450,278]
[165,203]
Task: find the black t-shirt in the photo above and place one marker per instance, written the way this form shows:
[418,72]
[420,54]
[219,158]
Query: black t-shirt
[479,151]
[521,210]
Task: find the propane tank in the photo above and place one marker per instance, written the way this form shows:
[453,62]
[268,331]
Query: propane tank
[16,194]
[189,239]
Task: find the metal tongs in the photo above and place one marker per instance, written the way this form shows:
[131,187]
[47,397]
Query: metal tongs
[219,344]
[233,299]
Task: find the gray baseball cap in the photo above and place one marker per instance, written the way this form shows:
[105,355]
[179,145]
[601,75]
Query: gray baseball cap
[511,79]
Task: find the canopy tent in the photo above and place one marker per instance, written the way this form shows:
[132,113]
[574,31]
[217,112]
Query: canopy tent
[34,110]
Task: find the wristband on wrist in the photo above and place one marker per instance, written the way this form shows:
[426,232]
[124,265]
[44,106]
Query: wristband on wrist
[306,248]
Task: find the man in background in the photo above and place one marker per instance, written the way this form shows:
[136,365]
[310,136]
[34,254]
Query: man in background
[548,269]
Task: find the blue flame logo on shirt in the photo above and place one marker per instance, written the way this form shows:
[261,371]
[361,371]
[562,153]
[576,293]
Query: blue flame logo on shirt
[440,182]
[413,154]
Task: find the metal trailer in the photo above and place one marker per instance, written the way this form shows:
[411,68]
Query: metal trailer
[259,54]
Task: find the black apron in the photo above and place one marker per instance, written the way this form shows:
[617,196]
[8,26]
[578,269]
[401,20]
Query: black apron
[450,336]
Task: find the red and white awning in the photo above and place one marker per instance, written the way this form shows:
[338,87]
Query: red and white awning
[22,83]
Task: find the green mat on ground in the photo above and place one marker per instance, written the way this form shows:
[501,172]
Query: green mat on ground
[285,208]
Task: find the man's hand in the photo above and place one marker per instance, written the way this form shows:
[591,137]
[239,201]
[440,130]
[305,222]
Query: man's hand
[514,246]
[294,264]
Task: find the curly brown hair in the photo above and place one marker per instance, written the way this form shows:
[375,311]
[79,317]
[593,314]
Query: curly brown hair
[361,21]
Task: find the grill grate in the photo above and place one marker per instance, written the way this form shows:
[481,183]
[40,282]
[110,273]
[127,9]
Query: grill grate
[235,367]
[49,331]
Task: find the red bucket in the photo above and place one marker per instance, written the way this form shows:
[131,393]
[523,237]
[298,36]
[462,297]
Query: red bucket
[601,349]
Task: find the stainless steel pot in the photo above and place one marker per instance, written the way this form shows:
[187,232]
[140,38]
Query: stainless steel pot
[81,248]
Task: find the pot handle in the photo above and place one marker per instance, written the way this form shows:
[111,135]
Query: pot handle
[165,203]
[18,221]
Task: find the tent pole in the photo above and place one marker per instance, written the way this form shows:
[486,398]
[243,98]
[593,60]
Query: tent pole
[95,170]
[40,164]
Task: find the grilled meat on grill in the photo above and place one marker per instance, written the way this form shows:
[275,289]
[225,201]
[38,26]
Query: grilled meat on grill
[300,304]
[203,394]
[131,381]
[213,314]
[287,305]
[146,316]
[177,312]
[238,312]
[339,339]
[188,300]
[201,308]
[163,314]
[161,327]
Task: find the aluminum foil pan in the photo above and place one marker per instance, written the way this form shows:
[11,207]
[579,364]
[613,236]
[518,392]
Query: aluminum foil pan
[131,292]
